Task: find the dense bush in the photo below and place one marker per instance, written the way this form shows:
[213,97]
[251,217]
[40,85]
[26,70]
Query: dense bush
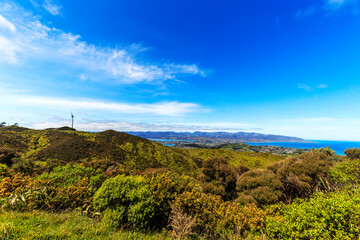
[215,217]
[24,193]
[65,176]
[7,154]
[4,171]
[303,174]
[346,173]
[165,187]
[108,167]
[219,178]
[353,153]
[324,216]
[125,201]
[261,185]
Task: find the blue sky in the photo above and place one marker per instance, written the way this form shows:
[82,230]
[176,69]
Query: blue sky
[277,67]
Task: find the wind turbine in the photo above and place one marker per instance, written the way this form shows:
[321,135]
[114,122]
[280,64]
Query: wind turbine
[72,120]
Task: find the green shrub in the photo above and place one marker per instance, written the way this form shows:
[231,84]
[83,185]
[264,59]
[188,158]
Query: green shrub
[303,174]
[261,185]
[165,187]
[324,216]
[4,171]
[24,166]
[346,173]
[219,177]
[216,217]
[353,153]
[7,154]
[125,201]
[65,176]
[325,150]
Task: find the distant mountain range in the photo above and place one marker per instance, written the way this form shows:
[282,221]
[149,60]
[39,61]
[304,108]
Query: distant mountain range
[218,136]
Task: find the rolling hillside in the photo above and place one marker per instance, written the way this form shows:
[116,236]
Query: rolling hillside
[52,147]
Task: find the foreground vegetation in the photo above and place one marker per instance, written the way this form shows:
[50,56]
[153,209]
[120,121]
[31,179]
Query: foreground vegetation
[66,225]
[61,184]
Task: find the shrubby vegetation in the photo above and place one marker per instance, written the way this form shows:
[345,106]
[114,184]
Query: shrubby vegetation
[115,181]
[323,216]
[125,201]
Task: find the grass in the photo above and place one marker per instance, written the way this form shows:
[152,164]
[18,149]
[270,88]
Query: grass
[67,225]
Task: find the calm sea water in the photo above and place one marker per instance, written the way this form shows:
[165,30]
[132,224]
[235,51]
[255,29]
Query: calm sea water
[337,146]
[169,140]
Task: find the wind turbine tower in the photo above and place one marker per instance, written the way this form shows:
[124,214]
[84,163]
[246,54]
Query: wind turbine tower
[72,120]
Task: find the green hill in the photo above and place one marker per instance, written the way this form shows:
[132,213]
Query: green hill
[57,146]
[52,147]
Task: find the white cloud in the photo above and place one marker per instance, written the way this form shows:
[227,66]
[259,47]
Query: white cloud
[51,7]
[171,109]
[6,24]
[305,12]
[335,2]
[310,88]
[305,87]
[93,125]
[35,41]
[322,86]
[334,5]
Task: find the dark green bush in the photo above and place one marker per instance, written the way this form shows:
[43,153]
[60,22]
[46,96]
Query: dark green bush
[262,185]
[7,155]
[24,166]
[219,177]
[353,153]
[303,174]
[125,201]
[216,218]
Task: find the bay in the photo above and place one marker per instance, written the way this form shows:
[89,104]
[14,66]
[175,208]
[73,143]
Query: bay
[337,146]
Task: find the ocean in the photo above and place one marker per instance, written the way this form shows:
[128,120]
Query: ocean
[337,146]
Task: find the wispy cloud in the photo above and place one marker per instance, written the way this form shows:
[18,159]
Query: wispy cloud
[301,13]
[310,88]
[322,86]
[36,41]
[7,25]
[336,4]
[51,7]
[171,109]
[305,87]
[329,6]
[101,125]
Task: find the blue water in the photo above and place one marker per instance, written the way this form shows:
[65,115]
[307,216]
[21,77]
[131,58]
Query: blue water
[337,146]
[170,145]
[170,140]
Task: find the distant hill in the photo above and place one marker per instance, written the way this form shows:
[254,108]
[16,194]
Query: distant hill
[218,136]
